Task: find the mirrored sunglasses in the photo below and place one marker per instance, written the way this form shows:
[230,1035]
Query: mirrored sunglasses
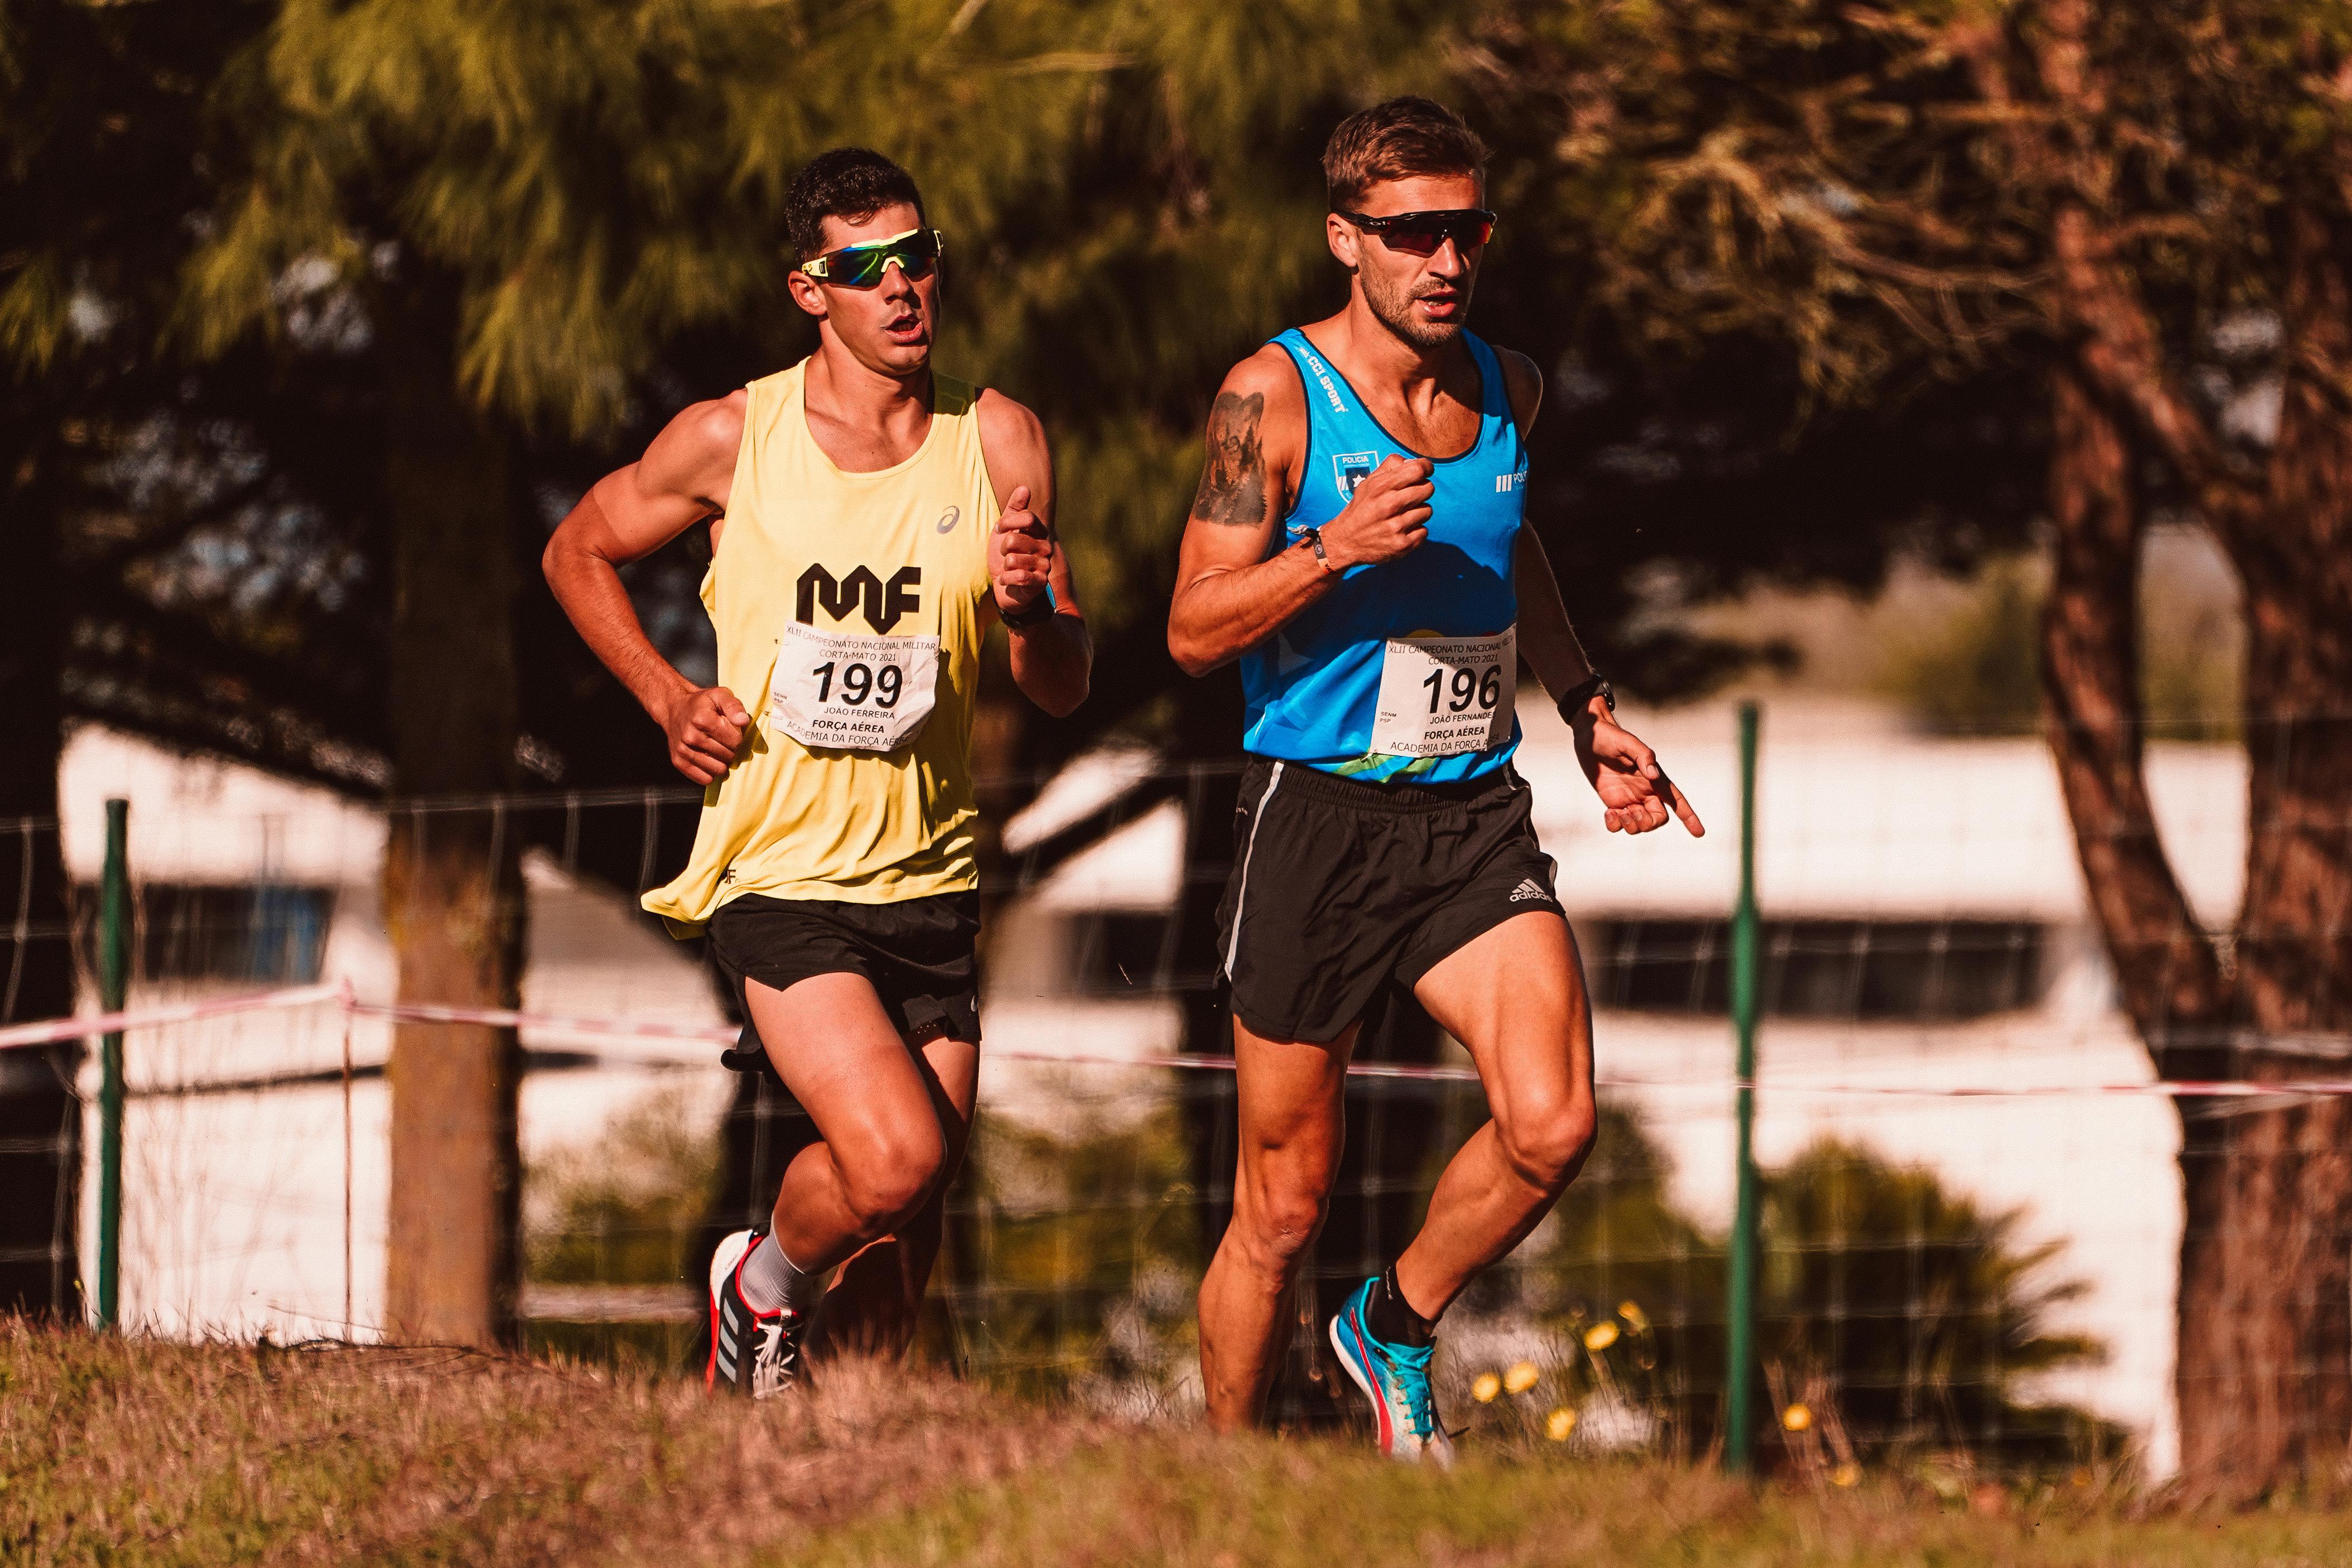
[861,266]
[1421,234]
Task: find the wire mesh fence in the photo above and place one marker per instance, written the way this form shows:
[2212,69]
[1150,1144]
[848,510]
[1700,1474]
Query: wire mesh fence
[1973,1214]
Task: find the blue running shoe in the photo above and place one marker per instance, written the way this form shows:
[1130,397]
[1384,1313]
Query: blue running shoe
[1395,1378]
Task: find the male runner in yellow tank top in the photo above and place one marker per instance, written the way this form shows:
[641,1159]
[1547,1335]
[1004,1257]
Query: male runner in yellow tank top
[872,518]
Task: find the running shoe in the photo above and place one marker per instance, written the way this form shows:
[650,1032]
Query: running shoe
[757,1355]
[1395,1378]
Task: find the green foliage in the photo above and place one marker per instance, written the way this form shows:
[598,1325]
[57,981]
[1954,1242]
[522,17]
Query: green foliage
[626,1208]
[1869,186]
[564,169]
[1085,1255]
[1922,1314]
[1978,671]
[1976,668]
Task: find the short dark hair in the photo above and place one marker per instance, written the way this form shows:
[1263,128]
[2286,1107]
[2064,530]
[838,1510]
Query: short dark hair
[1397,140]
[851,182]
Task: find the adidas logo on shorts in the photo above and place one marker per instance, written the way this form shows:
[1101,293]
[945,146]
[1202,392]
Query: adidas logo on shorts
[1529,888]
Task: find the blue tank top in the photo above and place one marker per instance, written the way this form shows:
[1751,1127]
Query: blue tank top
[1311,690]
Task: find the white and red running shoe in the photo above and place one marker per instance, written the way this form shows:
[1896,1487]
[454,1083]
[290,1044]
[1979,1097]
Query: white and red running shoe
[754,1354]
[1395,1378]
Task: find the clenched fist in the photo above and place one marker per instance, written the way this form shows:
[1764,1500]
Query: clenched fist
[705,726]
[1020,554]
[1387,517]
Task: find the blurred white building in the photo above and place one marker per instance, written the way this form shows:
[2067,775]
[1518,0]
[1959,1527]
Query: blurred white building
[233,1139]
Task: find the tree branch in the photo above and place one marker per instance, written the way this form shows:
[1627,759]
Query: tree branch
[2168,969]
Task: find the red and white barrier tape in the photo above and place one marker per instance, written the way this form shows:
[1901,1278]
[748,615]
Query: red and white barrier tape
[56,1031]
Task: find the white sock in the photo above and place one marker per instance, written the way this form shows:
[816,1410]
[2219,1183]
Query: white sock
[770,1280]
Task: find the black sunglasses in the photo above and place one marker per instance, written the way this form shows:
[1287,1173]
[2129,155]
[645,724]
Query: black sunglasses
[1421,234]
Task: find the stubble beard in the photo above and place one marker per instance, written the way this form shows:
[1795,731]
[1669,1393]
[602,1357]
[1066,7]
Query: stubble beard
[1391,306]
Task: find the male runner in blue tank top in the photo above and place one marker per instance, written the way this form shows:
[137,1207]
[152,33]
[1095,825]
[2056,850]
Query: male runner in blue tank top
[1378,597]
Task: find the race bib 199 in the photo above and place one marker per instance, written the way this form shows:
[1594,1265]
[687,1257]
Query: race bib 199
[1442,697]
[853,693]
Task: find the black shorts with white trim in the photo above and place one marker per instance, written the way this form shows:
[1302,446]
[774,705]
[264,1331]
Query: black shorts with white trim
[1339,888]
[920,955]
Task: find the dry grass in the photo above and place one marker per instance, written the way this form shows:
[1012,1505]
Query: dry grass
[136,1452]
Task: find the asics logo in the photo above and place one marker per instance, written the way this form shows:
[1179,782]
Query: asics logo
[948,519]
[884,603]
[1529,888]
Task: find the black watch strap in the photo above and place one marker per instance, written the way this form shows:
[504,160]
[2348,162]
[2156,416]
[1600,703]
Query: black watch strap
[1036,612]
[1577,697]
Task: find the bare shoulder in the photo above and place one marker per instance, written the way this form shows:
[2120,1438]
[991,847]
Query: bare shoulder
[1270,379]
[1014,447]
[696,451]
[1009,429]
[1524,384]
[1262,406]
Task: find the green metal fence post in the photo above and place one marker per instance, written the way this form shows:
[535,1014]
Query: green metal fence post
[113,974]
[1739,1415]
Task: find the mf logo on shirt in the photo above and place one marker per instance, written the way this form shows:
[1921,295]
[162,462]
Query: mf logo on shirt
[1351,469]
[885,603]
[1506,482]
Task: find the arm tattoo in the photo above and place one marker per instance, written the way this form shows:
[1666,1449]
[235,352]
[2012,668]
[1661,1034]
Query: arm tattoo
[1232,485]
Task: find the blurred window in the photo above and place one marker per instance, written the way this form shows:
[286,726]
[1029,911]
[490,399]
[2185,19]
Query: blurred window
[1880,969]
[270,934]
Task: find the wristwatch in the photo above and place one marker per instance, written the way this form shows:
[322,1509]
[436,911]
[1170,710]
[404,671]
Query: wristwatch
[1578,697]
[1036,612]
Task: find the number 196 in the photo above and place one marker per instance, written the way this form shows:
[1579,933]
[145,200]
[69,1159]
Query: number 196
[1469,685]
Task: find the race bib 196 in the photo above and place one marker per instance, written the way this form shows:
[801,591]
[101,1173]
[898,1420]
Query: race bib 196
[1442,697]
[853,693]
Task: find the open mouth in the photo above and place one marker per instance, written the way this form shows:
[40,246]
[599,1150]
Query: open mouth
[1439,305]
[907,327]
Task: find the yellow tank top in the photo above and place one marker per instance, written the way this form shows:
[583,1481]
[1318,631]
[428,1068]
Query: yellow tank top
[902,552]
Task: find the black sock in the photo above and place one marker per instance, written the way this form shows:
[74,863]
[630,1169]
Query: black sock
[1389,1316]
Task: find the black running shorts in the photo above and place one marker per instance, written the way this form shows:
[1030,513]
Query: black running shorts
[921,956]
[1339,888]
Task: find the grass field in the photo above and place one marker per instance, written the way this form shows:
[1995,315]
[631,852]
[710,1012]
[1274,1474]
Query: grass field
[135,1452]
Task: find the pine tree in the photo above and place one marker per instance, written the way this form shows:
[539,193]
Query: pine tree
[508,205]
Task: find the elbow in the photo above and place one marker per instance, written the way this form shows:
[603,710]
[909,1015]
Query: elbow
[1070,693]
[550,561]
[1190,658]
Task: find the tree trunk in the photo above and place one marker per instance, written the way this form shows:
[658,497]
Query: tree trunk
[2165,965]
[2264,1375]
[2265,1369]
[453,890]
[40,1115]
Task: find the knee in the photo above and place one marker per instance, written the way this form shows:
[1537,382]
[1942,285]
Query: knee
[886,1184]
[1547,1143]
[1279,1225]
